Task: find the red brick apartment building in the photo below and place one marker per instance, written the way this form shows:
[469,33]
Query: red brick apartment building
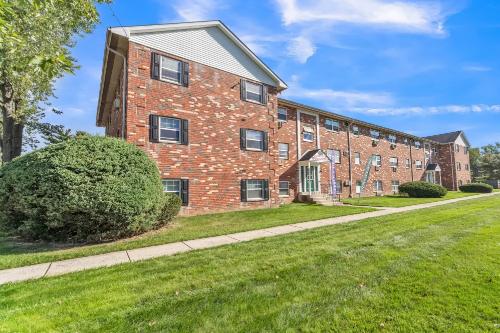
[207,110]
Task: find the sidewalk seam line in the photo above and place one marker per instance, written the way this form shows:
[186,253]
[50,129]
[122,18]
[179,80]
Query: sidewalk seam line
[128,256]
[47,270]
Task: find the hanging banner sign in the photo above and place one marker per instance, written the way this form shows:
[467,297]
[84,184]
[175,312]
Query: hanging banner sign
[333,173]
[366,174]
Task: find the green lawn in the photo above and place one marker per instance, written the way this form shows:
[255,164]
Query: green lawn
[15,254]
[400,201]
[411,272]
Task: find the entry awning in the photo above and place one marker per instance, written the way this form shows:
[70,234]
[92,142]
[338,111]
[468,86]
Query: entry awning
[315,155]
[433,167]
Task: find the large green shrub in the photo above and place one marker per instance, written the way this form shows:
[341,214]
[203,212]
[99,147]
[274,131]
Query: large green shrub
[421,189]
[171,207]
[476,188]
[89,188]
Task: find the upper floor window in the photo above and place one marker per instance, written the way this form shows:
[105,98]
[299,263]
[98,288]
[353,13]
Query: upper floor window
[459,166]
[357,158]
[334,154]
[169,69]
[308,134]
[168,129]
[283,151]
[391,138]
[254,92]
[418,164]
[393,162]
[355,130]
[375,134]
[418,145]
[405,141]
[282,114]
[332,125]
[466,150]
[253,140]
[467,167]
[377,160]
[407,163]
[457,148]
[434,150]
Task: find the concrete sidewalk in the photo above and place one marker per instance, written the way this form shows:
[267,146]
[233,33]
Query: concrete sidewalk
[120,257]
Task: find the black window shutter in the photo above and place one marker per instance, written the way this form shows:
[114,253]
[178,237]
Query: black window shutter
[264,142]
[184,132]
[243,138]
[243,190]
[185,191]
[265,188]
[264,94]
[243,90]
[155,66]
[153,128]
[185,74]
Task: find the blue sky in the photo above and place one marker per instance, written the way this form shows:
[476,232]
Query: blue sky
[423,67]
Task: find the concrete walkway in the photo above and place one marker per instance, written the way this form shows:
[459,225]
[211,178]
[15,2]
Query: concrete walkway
[120,257]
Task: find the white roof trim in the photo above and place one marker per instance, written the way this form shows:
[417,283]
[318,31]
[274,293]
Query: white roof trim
[127,31]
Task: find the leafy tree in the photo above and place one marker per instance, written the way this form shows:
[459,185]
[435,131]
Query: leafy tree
[475,161]
[490,161]
[35,38]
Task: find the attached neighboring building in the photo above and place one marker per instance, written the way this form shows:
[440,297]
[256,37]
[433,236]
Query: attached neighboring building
[206,109]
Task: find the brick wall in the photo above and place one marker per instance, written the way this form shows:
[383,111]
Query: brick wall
[213,161]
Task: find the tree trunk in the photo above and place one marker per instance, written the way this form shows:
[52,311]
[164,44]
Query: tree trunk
[12,130]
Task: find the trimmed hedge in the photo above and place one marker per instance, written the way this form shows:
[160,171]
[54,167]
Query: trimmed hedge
[89,188]
[476,188]
[422,189]
[171,207]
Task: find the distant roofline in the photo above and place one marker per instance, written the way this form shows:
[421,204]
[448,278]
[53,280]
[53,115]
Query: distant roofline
[126,31]
[456,133]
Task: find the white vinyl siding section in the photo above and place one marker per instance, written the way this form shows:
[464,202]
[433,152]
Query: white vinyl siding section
[208,46]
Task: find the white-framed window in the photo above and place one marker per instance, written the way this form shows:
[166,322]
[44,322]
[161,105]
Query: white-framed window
[357,158]
[355,130]
[282,114]
[332,125]
[418,145]
[377,186]
[459,166]
[338,185]
[407,163]
[284,188]
[395,186]
[253,92]
[392,138]
[358,186]
[335,153]
[467,167]
[406,141]
[375,134]
[418,164]
[283,151]
[308,136]
[172,186]
[254,140]
[170,129]
[457,148]
[170,69]
[393,162]
[255,189]
[377,161]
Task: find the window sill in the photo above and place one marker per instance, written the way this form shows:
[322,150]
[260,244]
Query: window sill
[254,102]
[307,140]
[256,200]
[171,81]
[168,141]
[284,195]
[254,149]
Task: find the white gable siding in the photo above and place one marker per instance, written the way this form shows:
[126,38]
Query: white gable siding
[460,141]
[208,46]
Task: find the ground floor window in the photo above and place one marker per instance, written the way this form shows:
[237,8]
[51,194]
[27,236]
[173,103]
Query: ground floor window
[395,186]
[178,187]
[284,188]
[254,189]
[338,184]
[358,186]
[377,186]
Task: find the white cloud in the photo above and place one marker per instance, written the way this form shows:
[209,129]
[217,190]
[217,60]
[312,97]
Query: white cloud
[422,17]
[476,68]
[195,10]
[301,49]
[313,20]
[428,110]
[338,98]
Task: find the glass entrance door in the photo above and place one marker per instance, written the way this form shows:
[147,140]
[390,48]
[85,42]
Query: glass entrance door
[309,178]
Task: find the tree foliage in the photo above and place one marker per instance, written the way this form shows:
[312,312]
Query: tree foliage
[487,161]
[35,41]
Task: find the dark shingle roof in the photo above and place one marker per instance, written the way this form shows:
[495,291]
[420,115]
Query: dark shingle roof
[432,167]
[445,137]
[307,156]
